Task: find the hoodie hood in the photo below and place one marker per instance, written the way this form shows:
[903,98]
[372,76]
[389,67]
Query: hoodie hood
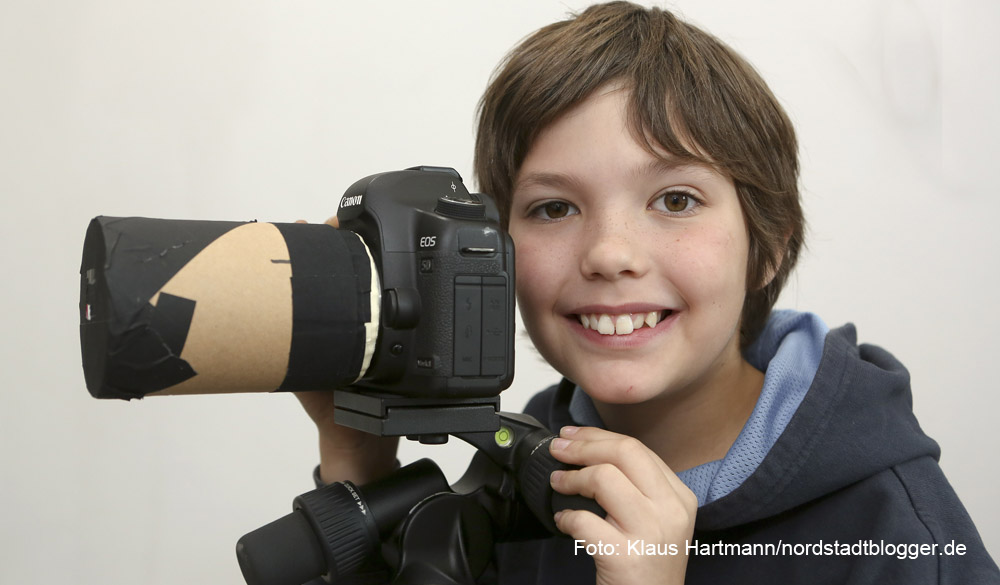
[855,421]
[788,351]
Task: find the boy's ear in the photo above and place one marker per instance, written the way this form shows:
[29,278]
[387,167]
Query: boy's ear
[775,265]
[772,271]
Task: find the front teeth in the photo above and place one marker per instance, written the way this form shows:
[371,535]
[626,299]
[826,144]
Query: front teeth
[619,324]
[623,325]
[605,326]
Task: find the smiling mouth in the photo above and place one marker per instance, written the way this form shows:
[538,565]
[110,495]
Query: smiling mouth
[622,324]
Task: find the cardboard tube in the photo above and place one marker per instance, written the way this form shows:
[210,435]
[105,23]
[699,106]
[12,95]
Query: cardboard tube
[241,331]
[186,307]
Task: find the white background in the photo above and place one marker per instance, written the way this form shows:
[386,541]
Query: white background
[243,109]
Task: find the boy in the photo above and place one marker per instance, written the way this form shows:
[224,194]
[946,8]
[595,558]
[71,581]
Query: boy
[648,178]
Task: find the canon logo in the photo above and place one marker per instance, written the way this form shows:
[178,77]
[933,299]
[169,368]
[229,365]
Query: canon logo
[351,201]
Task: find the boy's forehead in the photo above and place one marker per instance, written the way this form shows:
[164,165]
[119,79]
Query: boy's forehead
[612,103]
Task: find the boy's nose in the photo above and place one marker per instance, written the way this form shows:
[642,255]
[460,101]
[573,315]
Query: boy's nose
[614,249]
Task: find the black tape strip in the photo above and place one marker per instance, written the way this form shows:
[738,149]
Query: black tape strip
[172,321]
[331,287]
[125,261]
[149,356]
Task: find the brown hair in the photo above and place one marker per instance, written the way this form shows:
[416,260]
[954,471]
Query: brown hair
[690,95]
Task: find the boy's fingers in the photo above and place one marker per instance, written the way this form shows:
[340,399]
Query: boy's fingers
[628,509]
[589,447]
[577,523]
[334,221]
[606,485]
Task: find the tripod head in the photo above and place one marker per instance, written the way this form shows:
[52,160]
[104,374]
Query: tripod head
[425,531]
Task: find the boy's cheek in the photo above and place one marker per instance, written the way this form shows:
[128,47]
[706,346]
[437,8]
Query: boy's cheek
[536,271]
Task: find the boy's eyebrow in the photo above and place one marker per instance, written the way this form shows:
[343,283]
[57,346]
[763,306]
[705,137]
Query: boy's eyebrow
[653,167]
[545,179]
[660,166]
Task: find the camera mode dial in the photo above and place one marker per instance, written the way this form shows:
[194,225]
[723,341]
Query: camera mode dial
[460,208]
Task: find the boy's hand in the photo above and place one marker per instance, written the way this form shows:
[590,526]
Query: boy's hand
[644,499]
[346,454]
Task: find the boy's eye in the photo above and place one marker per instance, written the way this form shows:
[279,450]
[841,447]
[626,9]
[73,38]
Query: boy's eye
[675,202]
[553,210]
[556,209]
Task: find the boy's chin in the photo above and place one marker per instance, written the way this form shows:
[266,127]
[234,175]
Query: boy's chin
[621,390]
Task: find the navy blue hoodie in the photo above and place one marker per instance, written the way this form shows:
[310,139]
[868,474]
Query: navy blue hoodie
[850,479]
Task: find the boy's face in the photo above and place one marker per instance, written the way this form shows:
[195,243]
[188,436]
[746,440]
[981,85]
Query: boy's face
[607,232]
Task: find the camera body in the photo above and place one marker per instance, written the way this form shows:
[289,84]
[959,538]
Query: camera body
[446,341]
[447,279]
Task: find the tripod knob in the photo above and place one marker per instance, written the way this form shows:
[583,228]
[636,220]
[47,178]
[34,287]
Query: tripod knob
[537,493]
